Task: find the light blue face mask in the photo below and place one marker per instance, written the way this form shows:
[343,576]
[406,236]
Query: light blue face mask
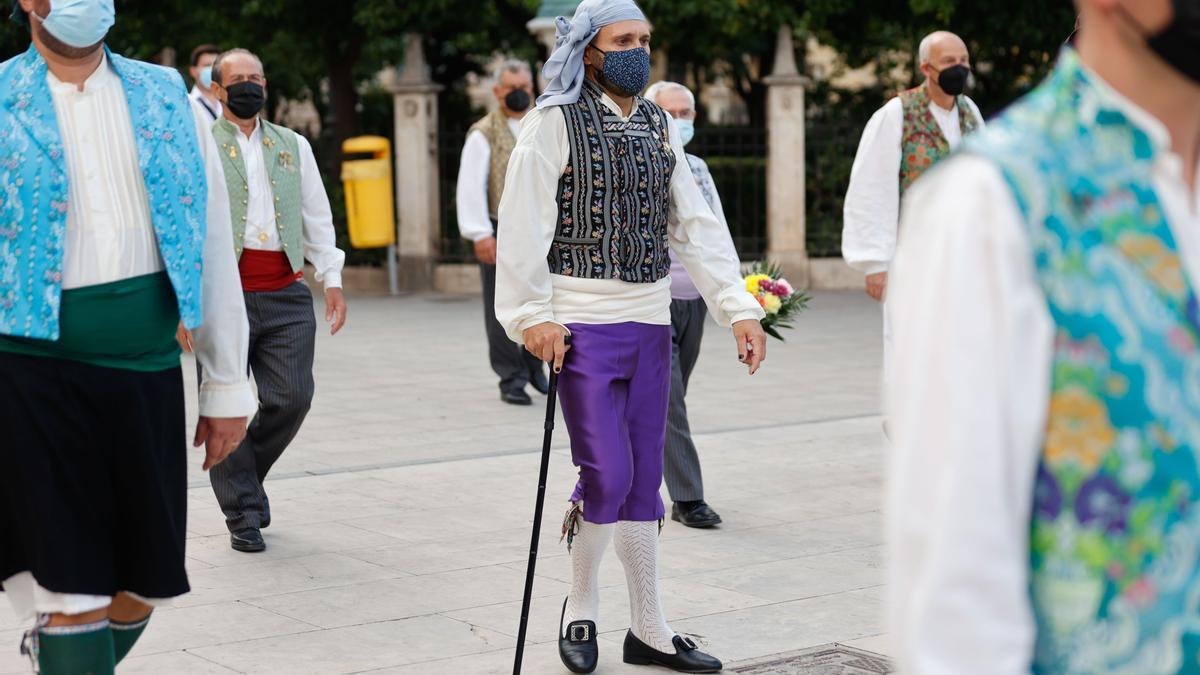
[206,77]
[79,23]
[687,130]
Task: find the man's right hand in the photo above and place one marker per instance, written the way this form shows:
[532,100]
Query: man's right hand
[221,436]
[877,285]
[548,342]
[485,251]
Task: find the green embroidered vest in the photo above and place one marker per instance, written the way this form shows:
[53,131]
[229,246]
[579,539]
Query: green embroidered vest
[494,128]
[923,143]
[281,156]
[1115,525]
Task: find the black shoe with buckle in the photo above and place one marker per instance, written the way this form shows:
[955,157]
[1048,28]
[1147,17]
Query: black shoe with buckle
[687,657]
[579,650]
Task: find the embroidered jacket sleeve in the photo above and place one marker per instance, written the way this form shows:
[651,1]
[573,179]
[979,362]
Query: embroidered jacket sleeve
[222,342]
[704,246]
[529,219]
[320,239]
[872,206]
[471,195]
[967,405]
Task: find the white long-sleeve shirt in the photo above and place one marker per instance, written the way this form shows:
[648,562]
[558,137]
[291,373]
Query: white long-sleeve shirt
[471,192]
[968,405]
[527,294]
[871,212]
[320,239]
[206,111]
[110,236]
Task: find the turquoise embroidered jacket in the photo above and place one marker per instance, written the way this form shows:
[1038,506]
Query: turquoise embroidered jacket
[1115,531]
[34,187]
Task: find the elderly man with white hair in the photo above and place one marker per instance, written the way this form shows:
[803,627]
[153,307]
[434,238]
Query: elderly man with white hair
[597,196]
[681,465]
[485,154]
[904,138]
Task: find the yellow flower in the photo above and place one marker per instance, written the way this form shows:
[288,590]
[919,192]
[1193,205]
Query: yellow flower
[772,304]
[1080,432]
[753,281]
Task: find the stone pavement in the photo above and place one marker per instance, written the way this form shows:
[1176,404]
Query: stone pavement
[401,513]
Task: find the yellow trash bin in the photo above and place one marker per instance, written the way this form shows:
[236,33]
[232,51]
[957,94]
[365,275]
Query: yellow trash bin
[370,210]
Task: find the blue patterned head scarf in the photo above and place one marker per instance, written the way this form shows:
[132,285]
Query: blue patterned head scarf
[564,70]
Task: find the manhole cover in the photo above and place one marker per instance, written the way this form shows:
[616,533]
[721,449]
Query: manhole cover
[827,660]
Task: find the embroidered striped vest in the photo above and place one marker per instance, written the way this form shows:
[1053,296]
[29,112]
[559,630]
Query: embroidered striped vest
[615,193]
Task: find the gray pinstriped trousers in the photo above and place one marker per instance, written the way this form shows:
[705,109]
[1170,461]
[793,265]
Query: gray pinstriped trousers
[283,331]
[681,465]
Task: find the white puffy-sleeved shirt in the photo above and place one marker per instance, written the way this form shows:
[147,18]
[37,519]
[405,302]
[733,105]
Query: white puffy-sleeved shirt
[471,192]
[871,213]
[968,403]
[528,294]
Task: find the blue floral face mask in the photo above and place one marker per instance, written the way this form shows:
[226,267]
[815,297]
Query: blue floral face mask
[625,72]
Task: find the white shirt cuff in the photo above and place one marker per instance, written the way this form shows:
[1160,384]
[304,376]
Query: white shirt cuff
[332,280]
[227,400]
[748,315]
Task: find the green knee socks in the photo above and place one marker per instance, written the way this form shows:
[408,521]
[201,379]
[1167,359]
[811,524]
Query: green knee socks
[76,650]
[124,635]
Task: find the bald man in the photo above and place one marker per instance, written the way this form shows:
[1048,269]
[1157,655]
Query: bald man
[904,138]
[1044,500]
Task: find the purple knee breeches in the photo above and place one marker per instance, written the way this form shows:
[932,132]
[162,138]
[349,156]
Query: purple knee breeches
[614,388]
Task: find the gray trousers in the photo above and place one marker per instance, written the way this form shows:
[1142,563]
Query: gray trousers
[512,362]
[283,331]
[681,466]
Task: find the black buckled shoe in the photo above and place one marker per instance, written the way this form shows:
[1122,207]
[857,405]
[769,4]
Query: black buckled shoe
[687,657]
[695,514]
[579,650]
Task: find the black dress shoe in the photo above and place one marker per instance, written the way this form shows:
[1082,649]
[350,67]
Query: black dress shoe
[687,657]
[248,540]
[516,397]
[579,650]
[538,379]
[694,514]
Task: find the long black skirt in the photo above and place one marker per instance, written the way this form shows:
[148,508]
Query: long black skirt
[93,477]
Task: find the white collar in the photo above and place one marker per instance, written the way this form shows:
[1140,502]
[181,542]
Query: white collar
[612,105]
[100,78]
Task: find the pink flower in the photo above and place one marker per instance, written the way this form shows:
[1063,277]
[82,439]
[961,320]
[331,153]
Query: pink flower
[785,288]
[1141,592]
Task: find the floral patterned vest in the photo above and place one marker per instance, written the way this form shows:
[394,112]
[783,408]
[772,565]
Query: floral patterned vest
[1115,532]
[923,143]
[615,193]
[501,142]
[34,185]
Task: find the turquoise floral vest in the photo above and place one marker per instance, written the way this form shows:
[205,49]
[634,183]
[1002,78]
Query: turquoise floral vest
[34,185]
[1115,534]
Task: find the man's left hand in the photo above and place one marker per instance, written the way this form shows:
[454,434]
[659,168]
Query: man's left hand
[220,436]
[751,343]
[335,309]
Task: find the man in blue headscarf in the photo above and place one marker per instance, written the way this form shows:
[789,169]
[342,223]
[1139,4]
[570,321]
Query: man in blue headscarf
[598,196]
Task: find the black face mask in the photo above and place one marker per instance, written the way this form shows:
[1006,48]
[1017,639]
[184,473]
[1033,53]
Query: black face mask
[246,99]
[517,100]
[953,80]
[1179,43]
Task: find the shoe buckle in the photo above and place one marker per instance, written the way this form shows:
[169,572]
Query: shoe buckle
[688,642]
[579,632]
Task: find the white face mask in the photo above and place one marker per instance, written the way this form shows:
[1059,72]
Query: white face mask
[79,23]
[687,130]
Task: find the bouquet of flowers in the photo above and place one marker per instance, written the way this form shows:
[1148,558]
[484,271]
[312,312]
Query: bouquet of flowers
[782,303]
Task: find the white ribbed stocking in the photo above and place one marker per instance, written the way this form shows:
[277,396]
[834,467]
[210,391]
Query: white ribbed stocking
[637,547]
[583,602]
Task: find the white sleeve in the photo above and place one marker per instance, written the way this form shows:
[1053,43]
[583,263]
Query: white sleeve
[471,195]
[222,342]
[708,188]
[528,221]
[871,213]
[703,244]
[978,114]
[968,397]
[320,239]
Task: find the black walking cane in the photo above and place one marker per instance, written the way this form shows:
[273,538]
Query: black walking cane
[551,399]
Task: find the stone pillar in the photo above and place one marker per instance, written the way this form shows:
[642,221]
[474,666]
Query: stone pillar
[785,163]
[416,150]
